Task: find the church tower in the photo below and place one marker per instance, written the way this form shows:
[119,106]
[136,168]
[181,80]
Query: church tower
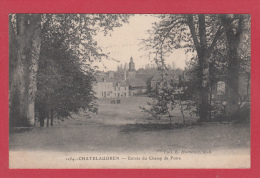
[131,64]
[131,70]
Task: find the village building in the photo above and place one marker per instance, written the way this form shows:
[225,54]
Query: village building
[106,87]
[103,87]
[128,82]
[121,89]
[157,79]
[137,87]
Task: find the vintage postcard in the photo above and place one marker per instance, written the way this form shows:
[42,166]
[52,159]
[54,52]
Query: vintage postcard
[129,91]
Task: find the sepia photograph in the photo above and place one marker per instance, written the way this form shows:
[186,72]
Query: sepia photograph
[123,91]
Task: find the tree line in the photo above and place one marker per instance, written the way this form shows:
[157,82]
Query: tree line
[51,56]
[50,64]
[220,49]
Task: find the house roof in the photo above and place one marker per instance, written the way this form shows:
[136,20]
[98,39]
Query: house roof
[158,77]
[122,83]
[101,79]
[144,77]
[136,83]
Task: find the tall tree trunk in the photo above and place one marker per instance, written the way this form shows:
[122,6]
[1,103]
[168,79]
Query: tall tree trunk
[232,84]
[19,75]
[42,114]
[182,112]
[51,117]
[35,53]
[204,70]
[12,77]
[21,60]
[202,52]
[41,118]
[48,120]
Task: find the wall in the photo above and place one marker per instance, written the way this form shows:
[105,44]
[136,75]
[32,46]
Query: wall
[107,90]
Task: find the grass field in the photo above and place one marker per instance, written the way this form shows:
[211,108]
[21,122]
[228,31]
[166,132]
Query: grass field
[129,112]
[124,127]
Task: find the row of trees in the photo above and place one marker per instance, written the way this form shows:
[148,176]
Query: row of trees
[220,45]
[50,64]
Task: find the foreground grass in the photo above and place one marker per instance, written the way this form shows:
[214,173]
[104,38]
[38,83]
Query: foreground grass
[123,128]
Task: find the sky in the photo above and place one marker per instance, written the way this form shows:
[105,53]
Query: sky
[124,42]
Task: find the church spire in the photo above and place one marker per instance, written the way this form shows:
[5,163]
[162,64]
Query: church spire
[131,64]
[131,59]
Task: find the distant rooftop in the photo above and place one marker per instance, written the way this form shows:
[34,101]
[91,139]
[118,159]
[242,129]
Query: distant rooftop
[136,83]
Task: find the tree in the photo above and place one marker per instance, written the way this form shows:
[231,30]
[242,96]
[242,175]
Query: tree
[163,98]
[63,86]
[25,42]
[26,32]
[197,34]
[236,26]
